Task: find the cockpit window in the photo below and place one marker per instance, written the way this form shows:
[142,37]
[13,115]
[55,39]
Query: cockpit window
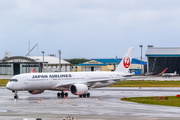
[13,80]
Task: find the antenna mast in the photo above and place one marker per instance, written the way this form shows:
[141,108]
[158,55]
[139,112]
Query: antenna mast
[31,50]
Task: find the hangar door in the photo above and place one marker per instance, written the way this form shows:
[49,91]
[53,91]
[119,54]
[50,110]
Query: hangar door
[16,68]
[158,64]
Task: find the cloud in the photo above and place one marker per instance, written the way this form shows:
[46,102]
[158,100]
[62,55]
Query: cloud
[85,27]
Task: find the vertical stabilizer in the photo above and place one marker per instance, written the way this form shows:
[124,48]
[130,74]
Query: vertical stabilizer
[126,61]
[163,71]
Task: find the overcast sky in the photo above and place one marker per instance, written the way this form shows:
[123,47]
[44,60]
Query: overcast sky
[87,28]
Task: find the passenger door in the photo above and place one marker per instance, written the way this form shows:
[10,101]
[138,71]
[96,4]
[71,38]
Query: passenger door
[25,80]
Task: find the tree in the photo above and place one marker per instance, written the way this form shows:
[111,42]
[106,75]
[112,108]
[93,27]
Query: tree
[76,61]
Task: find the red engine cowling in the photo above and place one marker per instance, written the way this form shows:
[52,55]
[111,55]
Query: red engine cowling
[78,89]
[36,91]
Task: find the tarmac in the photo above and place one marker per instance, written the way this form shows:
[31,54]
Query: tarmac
[104,104]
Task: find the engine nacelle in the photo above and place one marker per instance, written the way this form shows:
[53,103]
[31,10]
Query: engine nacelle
[78,89]
[36,91]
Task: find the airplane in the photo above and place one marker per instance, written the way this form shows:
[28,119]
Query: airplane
[169,74]
[78,83]
[163,72]
[153,74]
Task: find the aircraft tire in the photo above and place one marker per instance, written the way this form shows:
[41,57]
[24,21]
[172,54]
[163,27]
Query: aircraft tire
[80,96]
[88,94]
[58,94]
[84,95]
[39,119]
[66,94]
[16,97]
[62,94]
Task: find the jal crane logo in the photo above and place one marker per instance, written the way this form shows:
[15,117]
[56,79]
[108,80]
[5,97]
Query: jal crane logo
[126,62]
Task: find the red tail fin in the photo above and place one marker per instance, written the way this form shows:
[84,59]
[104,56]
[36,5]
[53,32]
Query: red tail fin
[164,71]
[33,71]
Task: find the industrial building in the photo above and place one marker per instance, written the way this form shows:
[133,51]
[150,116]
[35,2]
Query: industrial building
[160,58]
[110,65]
[20,64]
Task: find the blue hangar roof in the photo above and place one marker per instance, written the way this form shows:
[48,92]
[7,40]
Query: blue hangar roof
[113,61]
[107,60]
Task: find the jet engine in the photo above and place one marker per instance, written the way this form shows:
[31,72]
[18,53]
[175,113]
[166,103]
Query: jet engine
[78,89]
[36,91]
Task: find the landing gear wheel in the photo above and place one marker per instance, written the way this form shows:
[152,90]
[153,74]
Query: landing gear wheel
[62,94]
[15,96]
[66,94]
[88,94]
[39,119]
[80,96]
[58,94]
[84,95]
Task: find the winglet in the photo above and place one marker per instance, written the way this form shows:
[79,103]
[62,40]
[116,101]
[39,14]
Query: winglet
[126,61]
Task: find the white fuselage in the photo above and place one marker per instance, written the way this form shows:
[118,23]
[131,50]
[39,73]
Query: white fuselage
[62,80]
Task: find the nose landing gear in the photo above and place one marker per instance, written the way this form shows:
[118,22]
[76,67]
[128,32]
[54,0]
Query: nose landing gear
[15,95]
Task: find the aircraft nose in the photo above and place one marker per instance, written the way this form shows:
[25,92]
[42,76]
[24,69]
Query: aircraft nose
[9,86]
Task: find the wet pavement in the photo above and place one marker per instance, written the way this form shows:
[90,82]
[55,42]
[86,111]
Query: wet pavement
[104,104]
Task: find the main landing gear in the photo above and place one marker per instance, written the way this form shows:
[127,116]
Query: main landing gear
[62,94]
[85,95]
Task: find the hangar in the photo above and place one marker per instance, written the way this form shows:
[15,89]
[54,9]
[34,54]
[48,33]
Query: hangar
[160,58]
[20,64]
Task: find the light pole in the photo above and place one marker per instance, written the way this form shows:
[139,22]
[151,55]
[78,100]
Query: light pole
[59,60]
[141,57]
[43,59]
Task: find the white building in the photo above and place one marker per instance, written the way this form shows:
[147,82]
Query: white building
[51,63]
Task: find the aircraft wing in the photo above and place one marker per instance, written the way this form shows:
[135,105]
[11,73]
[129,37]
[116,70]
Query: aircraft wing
[132,75]
[103,81]
[67,84]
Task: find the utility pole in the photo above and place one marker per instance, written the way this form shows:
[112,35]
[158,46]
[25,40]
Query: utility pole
[141,57]
[31,49]
[43,59]
[59,60]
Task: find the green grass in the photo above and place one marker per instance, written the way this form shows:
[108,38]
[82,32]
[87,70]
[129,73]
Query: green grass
[172,101]
[147,83]
[3,82]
